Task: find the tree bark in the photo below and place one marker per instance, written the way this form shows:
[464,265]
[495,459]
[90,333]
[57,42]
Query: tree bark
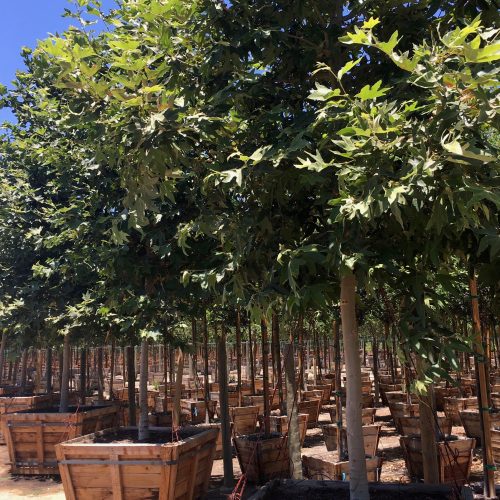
[300,354]
[206,383]
[24,366]
[194,360]
[64,402]
[112,370]
[252,365]
[292,415]
[143,431]
[100,374]
[277,350]
[265,375]
[375,369]
[176,413]
[83,374]
[2,354]
[48,372]
[358,484]
[129,350]
[227,453]
[483,393]
[238,354]
[338,390]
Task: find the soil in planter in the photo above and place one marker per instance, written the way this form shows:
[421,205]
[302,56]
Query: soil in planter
[129,436]
[261,437]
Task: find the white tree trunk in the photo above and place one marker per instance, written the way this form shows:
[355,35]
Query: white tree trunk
[358,484]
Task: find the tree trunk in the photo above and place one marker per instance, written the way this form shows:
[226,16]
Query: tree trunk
[66,355]
[24,366]
[100,374]
[2,354]
[484,402]
[48,372]
[265,375]
[227,453]
[143,431]
[83,374]
[206,383]
[277,350]
[300,354]
[194,359]
[375,369]
[112,370]
[252,365]
[176,413]
[358,484]
[428,432]
[238,355]
[338,390]
[292,415]
[129,350]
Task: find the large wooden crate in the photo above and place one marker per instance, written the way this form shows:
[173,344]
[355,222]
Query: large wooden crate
[131,471]
[410,426]
[122,395]
[495,445]
[367,415]
[325,466]
[396,397]
[452,407]
[444,392]
[262,459]
[371,435]
[233,398]
[31,436]
[399,410]
[196,409]
[472,424]
[244,419]
[312,408]
[13,404]
[384,388]
[495,400]
[454,458]
[280,424]
[326,390]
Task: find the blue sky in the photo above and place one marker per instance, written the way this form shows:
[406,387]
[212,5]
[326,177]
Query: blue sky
[22,23]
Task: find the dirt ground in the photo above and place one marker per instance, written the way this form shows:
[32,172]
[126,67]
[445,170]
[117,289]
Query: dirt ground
[393,468]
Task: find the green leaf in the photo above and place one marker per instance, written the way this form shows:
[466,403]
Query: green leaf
[372,92]
[347,67]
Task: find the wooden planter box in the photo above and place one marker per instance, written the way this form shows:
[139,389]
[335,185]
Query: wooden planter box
[218,443]
[396,397]
[280,424]
[384,388]
[452,407]
[472,425]
[263,459]
[258,400]
[371,435]
[367,415]
[233,398]
[196,409]
[495,444]
[130,470]
[244,419]
[410,426]
[164,419]
[326,390]
[454,458]
[13,404]
[445,392]
[122,395]
[495,400]
[326,466]
[399,410]
[312,408]
[32,435]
